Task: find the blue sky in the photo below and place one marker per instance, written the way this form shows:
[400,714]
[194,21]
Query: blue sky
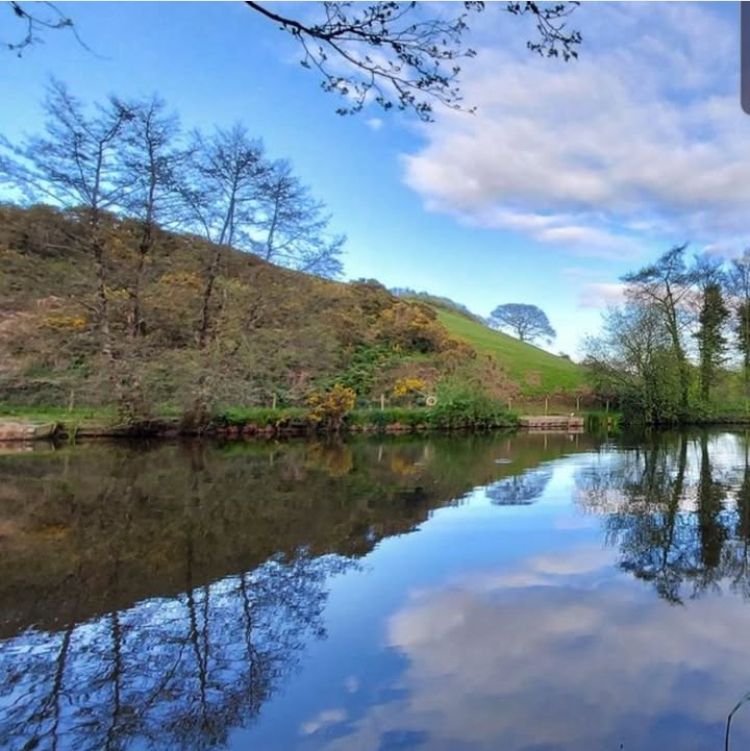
[567,176]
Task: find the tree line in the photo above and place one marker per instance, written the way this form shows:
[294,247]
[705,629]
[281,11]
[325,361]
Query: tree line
[678,347]
[132,158]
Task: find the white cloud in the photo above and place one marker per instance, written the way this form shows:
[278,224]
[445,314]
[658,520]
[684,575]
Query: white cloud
[322,720]
[601,294]
[374,123]
[576,658]
[637,142]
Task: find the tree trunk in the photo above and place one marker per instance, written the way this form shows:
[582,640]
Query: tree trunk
[136,325]
[207,294]
[679,353]
[101,298]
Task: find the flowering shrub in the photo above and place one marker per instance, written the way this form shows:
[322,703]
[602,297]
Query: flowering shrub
[407,385]
[62,322]
[329,408]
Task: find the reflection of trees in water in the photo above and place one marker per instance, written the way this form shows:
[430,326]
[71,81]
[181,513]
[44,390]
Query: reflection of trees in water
[520,489]
[676,520]
[161,596]
[175,672]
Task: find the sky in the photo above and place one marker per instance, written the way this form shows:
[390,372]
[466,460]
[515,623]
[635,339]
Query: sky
[567,175]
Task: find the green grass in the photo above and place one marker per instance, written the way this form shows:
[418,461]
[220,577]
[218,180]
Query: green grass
[260,416]
[45,413]
[79,416]
[538,372]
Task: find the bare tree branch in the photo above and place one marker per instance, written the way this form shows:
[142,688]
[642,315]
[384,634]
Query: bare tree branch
[394,54]
[390,53]
[41,18]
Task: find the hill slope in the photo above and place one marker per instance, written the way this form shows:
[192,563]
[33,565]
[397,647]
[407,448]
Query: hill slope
[536,371]
[275,335]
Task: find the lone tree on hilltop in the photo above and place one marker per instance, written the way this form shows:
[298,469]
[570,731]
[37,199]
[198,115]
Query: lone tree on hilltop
[527,322]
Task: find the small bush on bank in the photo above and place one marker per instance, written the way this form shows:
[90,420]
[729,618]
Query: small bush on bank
[462,405]
[329,408]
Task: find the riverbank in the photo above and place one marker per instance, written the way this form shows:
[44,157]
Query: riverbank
[45,423]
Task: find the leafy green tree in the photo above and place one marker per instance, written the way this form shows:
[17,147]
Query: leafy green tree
[712,343]
[632,363]
[666,285]
[527,322]
[739,287]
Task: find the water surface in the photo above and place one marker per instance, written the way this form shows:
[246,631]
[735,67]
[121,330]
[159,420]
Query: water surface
[532,592]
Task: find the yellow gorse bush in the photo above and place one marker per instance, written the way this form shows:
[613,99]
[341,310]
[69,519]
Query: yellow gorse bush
[65,323]
[332,406]
[404,386]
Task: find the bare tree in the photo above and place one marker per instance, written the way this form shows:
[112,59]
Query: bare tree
[221,195]
[527,322]
[393,54]
[151,158]
[292,228]
[73,166]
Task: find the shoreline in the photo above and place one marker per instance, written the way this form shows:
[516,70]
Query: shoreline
[18,430]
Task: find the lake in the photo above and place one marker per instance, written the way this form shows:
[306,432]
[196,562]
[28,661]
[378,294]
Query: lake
[508,592]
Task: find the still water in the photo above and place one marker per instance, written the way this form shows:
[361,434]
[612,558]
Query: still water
[490,592]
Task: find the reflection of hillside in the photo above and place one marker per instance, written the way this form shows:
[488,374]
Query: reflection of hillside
[161,596]
[677,509]
[78,516]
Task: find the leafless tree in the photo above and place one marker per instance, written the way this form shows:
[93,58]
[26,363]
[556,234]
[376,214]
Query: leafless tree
[35,20]
[73,166]
[151,157]
[292,227]
[221,193]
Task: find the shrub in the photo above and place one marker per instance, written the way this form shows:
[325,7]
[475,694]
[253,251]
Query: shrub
[363,367]
[329,408]
[411,327]
[409,386]
[466,405]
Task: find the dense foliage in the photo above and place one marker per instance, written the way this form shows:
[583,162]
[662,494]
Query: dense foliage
[277,335]
[676,349]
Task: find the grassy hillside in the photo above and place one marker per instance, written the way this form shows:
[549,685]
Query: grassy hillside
[276,337]
[536,371]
